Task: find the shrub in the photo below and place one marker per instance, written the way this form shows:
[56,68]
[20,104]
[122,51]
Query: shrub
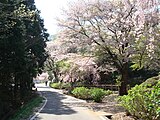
[81,92]
[55,85]
[97,94]
[151,81]
[143,101]
[66,86]
[60,85]
[108,92]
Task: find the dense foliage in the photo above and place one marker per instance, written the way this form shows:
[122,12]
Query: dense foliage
[60,85]
[143,101]
[81,92]
[95,94]
[124,31]
[22,53]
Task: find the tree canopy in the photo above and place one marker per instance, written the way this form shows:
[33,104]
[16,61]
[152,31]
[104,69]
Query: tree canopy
[122,31]
[22,48]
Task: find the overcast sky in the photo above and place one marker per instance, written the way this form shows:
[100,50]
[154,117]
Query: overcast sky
[50,9]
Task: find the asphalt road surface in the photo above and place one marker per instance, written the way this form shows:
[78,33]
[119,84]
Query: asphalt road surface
[63,107]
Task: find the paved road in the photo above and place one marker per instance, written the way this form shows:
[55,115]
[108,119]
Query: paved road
[63,107]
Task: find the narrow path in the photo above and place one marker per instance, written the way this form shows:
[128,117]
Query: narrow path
[63,107]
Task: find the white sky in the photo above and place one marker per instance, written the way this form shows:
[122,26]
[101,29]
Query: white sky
[50,9]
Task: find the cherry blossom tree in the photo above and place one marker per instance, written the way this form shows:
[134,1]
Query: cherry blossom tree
[119,28]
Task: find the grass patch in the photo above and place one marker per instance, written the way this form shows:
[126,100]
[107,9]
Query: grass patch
[25,111]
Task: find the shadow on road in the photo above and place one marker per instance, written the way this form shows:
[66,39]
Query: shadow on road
[62,107]
[54,104]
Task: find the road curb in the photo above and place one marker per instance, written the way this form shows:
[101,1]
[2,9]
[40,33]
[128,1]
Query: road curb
[104,118]
[37,113]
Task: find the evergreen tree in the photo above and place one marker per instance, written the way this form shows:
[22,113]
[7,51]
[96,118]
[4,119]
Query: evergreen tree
[22,49]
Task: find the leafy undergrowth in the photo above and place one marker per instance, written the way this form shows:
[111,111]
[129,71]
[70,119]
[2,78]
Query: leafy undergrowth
[60,85]
[95,94]
[81,92]
[25,111]
[143,101]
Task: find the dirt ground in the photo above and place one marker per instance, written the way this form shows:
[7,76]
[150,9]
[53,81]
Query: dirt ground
[110,106]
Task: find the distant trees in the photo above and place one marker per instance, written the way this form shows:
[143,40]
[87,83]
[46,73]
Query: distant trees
[119,29]
[22,53]
[51,66]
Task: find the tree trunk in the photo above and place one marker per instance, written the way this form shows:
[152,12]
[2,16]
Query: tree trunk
[23,86]
[124,80]
[56,76]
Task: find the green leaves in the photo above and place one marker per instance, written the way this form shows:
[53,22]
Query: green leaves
[143,101]
[22,48]
[136,66]
[81,92]
[95,94]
